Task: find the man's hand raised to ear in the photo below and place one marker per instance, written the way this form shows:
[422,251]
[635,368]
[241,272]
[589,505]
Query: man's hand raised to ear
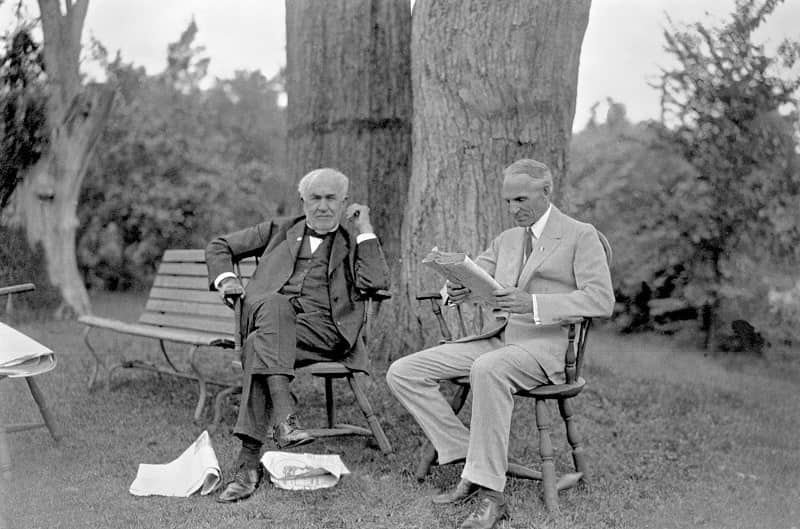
[230,289]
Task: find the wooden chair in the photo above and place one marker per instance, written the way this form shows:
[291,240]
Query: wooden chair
[577,336]
[38,397]
[329,371]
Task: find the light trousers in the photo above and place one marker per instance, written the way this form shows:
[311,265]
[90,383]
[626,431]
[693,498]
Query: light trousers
[496,371]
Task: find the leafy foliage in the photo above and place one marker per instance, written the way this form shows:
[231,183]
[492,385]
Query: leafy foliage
[699,206]
[728,110]
[624,181]
[179,164]
[19,263]
[22,113]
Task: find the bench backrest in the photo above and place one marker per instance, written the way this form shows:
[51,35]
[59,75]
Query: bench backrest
[180,297]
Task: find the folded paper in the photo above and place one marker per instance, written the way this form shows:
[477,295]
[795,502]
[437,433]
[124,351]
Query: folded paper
[195,469]
[21,356]
[292,471]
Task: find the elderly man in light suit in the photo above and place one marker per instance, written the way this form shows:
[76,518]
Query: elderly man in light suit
[552,267]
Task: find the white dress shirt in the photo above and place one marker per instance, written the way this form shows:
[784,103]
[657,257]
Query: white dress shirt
[536,229]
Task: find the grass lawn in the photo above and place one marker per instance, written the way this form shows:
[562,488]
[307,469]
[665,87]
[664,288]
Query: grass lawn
[674,439]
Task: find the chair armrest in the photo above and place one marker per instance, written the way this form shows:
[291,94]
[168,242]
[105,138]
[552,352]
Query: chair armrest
[376,295]
[13,289]
[430,295]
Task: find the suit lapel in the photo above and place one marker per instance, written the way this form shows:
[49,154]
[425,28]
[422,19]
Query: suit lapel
[543,246]
[339,250]
[294,239]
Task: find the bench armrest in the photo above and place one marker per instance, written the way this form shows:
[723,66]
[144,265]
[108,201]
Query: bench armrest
[13,289]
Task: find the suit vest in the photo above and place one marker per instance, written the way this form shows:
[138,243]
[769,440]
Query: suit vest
[309,280]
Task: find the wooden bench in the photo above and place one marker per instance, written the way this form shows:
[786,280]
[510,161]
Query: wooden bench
[181,309]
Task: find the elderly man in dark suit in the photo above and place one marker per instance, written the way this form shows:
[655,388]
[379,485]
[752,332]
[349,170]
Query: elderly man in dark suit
[303,304]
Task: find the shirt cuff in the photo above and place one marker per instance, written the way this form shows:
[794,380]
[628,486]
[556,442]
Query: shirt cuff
[361,237]
[221,277]
[536,318]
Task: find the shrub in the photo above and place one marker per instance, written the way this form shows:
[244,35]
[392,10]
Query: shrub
[19,263]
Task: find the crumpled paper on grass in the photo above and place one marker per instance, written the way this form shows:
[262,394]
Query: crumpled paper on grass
[291,471]
[195,469]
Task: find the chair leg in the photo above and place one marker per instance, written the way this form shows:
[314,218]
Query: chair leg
[49,421]
[428,451]
[5,458]
[574,439]
[425,461]
[330,403]
[546,453]
[366,408]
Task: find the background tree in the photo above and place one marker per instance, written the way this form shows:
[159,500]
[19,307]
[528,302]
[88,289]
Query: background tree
[729,109]
[492,82]
[349,101]
[179,164]
[46,198]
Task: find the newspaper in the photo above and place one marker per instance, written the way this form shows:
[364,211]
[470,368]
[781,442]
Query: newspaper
[294,471]
[21,356]
[195,469]
[461,270]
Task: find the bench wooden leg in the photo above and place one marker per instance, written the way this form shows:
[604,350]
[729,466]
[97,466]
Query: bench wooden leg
[369,414]
[546,453]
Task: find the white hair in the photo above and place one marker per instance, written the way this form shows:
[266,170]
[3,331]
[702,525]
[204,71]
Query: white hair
[326,172]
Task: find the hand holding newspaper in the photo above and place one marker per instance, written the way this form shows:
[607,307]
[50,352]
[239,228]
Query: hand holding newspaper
[460,269]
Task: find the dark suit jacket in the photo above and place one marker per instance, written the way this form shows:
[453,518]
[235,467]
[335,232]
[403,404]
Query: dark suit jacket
[353,270]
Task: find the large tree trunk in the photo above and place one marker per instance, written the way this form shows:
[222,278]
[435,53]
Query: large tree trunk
[48,198]
[349,105]
[492,82]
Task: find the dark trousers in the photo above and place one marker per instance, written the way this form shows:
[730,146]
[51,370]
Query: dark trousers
[280,338]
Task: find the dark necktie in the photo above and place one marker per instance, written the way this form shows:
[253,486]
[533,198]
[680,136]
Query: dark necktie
[528,245]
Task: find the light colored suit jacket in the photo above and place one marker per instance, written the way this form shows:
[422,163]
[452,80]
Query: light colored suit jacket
[568,272]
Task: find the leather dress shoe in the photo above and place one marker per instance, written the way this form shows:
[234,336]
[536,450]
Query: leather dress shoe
[288,433]
[459,494]
[245,482]
[486,514]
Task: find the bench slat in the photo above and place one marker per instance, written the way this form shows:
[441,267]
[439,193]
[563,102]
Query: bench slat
[197,269]
[191,283]
[192,255]
[189,322]
[180,294]
[183,269]
[216,309]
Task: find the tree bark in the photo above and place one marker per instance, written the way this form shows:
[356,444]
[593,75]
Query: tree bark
[349,106]
[47,199]
[492,82]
